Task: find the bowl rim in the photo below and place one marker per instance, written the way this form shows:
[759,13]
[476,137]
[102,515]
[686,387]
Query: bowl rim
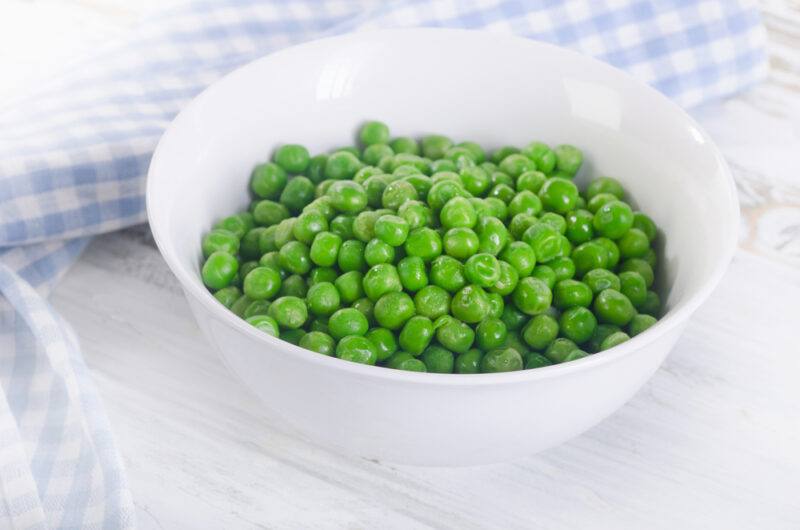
[667,323]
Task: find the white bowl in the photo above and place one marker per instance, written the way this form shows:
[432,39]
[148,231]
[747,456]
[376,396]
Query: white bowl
[495,90]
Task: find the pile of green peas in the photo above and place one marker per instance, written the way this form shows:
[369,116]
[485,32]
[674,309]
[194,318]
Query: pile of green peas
[435,256]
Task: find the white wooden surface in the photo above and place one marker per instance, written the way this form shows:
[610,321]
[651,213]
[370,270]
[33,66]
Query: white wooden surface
[712,441]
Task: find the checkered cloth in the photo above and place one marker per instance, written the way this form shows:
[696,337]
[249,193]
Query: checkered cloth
[73,157]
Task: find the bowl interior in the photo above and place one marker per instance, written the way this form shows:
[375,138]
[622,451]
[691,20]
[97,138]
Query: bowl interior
[491,89]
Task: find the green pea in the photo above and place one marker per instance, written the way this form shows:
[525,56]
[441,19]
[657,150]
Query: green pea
[514,341]
[577,324]
[545,242]
[491,333]
[323,299]
[645,224]
[498,155]
[475,180]
[605,185]
[651,258]
[381,279]
[349,286]
[615,339]
[364,226]
[416,214]
[442,191]
[501,360]
[308,225]
[228,295]
[405,144]
[496,305]
[318,342]
[651,305]
[571,293]
[299,191]
[262,283]
[482,270]
[416,335]
[412,273]
[453,334]
[257,307]
[492,235]
[536,360]
[521,256]
[294,257]
[503,192]
[469,362]
[346,322]
[540,331]
[580,226]
[589,256]
[264,323]
[374,132]
[393,309]
[292,158]
[613,307]
[611,249]
[356,349]
[391,229]
[316,168]
[599,335]
[351,256]
[374,187]
[470,304]
[559,349]
[546,274]
[516,164]
[599,200]
[405,361]
[507,282]
[531,181]
[347,196]
[220,240]
[633,244]
[268,213]
[601,279]
[574,355]
[219,270]
[268,180]
[432,301]
[341,165]
[559,195]
[458,212]
[294,285]
[438,360]
[325,249]
[513,318]
[532,296]
[421,165]
[613,219]
[447,273]
[640,266]
[563,268]
[398,192]
[640,323]
[289,312]
[542,155]
[525,202]
[434,146]
[424,243]
[443,164]
[377,252]
[283,232]
[384,342]
[319,324]
[270,259]
[633,286]
[568,159]
[292,336]
[461,243]
[373,154]
[322,274]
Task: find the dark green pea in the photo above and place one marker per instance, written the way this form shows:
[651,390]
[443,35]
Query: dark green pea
[356,349]
[270,259]
[405,144]
[599,335]
[351,256]
[615,339]
[264,323]
[346,322]
[646,225]
[289,312]
[268,180]
[373,154]
[498,155]
[412,273]
[580,226]
[438,360]
[633,244]
[596,202]
[589,256]
[416,214]
[292,157]
[546,274]
[447,273]
[220,240]
[257,307]
[363,174]
[571,293]
[525,202]
[316,168]
[453,334]
[492,235]
[469,362]
[342,226]
[633,286]
[268,213]
[364,226]
[475,180]
[613,307]
[540,331]
[374,187]
[318,342]
[640,266]
[421,183]
[228,295]
[577,324]
[432,301]
[405,361]
[565,249]
[366,307]
[498,177]
[564,268]
[601,279]
[496,305]
[536,360]
[341,165]
[377,252]
[501,360]
[574,355]
[384,342]
[424,243]
[507,281]
[262,283]
[545,242]
[651,305]
[613,219]
[651,258]
[294,285]
[640,323]
[559,195]
[443,164]
[381,279]
[239,224]
[478,154]
[491,333]
[283,232]
[323,206]
[402,159]
[322,274]
[266,240]
[542,155]
[319,324]
[461,243]
[470,304]
[392,310]
[398,192]
[219,270]
[521,256]
[460,155]
[611,249]
[349,286]
[292,336]
[323,299]
[503,192]
[294,257]
[416,335]
[605,185]
[513,318]
[559,349]
[434,146]
[568,159]
[531,181]
[299,191]
[532,296]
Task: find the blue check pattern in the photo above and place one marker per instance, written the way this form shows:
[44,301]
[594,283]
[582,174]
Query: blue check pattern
[74,153]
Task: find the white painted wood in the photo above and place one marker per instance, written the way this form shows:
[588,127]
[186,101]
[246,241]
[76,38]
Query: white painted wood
[710,442]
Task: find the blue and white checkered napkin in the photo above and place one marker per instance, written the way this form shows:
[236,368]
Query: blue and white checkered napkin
[73,157]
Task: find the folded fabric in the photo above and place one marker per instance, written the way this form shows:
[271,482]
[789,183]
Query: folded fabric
[74,154]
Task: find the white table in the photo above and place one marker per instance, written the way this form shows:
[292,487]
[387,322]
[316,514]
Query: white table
[712,441]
